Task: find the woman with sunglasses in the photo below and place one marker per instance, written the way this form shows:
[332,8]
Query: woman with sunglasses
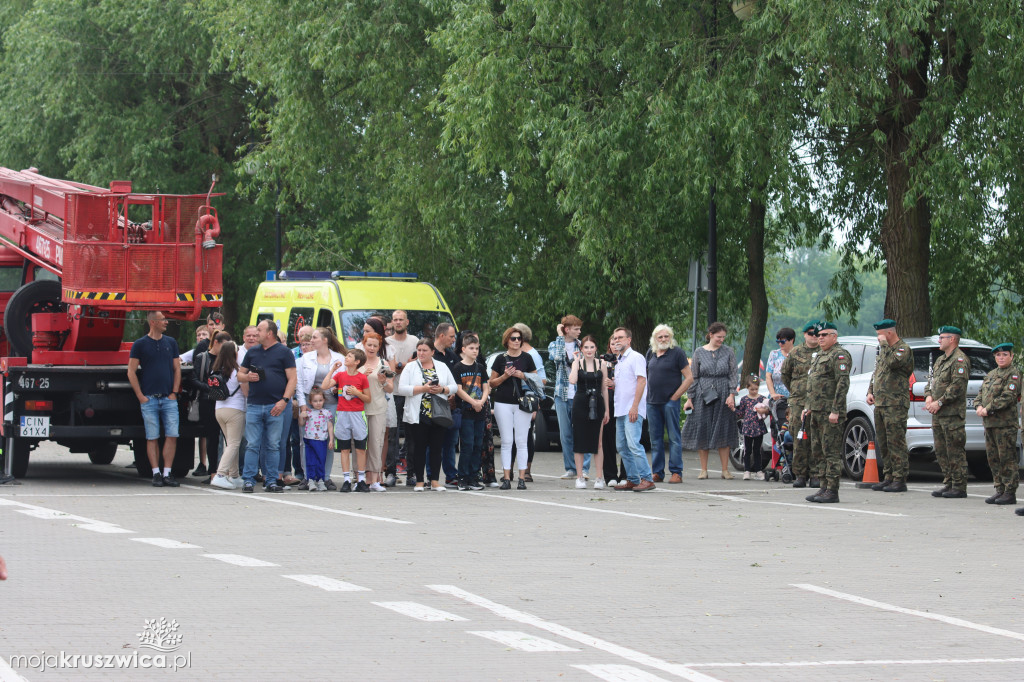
[777,389]
[508,371]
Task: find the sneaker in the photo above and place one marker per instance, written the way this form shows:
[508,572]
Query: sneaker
[158,480]
[200,471]
[522,485]
[463,486]
[493,484]
[759,476]
[303,483]
[568,474]
[247,487]
[361,487]
[221,482]
[310,486]
[612,483]
[170,481]
[331,485]
[418,488]
[273,488]
[506,484]
[390,481]
[321,487]
[580,484]
[453,482]
[346,487]
[475,486]
[377,488]
[410,481]
[238,482]
[746,475]
[599,484]
[438,488]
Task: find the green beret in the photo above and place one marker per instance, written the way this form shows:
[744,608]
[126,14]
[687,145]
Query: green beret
[811,326]
[1008,347]
[823,325]
[885,324]
[949,329]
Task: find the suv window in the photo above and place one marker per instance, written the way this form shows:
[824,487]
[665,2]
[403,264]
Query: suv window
[856,351]
[870,357]
[981,359]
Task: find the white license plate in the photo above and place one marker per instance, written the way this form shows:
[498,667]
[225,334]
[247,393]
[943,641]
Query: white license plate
[35,427]
[970,403]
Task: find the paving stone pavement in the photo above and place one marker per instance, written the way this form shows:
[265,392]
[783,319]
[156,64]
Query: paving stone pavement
[708,580]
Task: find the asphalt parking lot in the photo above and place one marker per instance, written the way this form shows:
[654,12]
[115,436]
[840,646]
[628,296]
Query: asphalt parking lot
[708,580]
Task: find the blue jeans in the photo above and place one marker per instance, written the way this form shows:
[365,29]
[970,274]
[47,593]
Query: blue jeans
[563,409]
[659,417]
[627,440]
[160,410]
[451,470]
[263,442]
[286,432]
[470,447]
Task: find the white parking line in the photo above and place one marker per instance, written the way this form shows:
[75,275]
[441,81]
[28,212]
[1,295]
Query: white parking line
[7,673]
[520,640]
[866,662]
[165,543]
[325,583]
[238,560]
[82,522]
[798,505]
[574,635]
[101,527]
[949,620]
[493,496]
[265,497]
[613,672]
[419,611]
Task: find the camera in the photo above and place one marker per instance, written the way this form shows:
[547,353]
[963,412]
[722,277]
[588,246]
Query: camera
[387,372]
[610,358]
[435,382]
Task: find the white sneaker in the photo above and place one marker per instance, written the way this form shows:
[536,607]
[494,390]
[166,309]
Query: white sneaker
[310,486]
[580,483]
[377,488]
[759,476]
[222,482]
[568,474]
[612,483]
[321,487]
[237,481]
[494,484]
[599,484]
[746,475]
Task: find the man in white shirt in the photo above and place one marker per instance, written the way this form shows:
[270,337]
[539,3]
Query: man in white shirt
[404,346]
[630,386]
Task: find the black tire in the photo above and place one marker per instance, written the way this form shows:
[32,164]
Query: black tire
[856,436]
[977,464]
[184,457]
[541,441]
[19,448]
[42,296]
[141,458]
[103,453]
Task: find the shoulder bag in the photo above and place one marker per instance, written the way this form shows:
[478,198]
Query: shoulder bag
[528,400]
[440,410]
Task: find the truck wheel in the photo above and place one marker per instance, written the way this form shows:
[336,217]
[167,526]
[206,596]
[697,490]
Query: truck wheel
[19,449]
[185,457]
[42,296]
[103,454]
[141,458]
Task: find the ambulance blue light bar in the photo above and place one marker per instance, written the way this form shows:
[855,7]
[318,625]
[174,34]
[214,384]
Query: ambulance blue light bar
[308,275]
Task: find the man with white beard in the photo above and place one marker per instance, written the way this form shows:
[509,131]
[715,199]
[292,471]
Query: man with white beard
[668,377]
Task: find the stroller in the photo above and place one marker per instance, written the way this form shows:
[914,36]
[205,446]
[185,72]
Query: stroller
[781,465]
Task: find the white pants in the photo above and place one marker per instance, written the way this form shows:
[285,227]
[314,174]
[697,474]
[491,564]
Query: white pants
[513,425]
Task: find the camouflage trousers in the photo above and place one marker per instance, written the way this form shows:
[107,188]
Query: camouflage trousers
[950,439]
[804,463]
[1001,448]
[891,442]
[827,447]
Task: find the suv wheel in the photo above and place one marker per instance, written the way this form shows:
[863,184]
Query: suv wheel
[857,435]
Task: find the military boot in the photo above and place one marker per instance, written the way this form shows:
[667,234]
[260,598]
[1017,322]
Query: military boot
[800,482]
[991,499]
[954,493]
[827,497]
[814,482]
[812,496]
[882,485]
[1006,498]
[942,490]
[896,487]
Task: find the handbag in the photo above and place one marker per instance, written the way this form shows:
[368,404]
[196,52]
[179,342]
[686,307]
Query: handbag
[440,410]
[528,400]
[193,410]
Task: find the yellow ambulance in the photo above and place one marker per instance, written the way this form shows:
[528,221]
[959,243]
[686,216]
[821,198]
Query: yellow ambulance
[344,300]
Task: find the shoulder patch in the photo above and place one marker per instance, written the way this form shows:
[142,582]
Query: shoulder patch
[960,370]
[960,359]
[1013,387]
[842,357]
[1014,377]
[842,367]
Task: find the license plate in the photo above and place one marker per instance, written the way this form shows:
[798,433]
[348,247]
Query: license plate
[970,403]
[35,427]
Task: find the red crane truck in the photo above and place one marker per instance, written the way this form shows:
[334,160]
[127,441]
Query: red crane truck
[74,260]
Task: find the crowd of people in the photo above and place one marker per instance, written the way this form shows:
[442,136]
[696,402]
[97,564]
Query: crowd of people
[285,412]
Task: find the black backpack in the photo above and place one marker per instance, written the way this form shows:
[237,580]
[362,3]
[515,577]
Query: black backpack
[218,386]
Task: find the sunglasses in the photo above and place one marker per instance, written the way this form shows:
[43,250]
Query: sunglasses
[821,334]
[515,338]
[781,340]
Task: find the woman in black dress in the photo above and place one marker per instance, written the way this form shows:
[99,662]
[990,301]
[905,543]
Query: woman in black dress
[589,413]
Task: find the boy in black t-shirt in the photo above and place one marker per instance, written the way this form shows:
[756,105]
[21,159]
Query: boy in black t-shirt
[471,376]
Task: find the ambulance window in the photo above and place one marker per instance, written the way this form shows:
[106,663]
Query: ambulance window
[325,318]
[264,316]
[299,317]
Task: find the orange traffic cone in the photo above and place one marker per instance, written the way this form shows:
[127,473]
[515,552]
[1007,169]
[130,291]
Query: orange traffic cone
[870,468]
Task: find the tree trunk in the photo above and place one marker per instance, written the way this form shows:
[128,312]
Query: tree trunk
[756,289]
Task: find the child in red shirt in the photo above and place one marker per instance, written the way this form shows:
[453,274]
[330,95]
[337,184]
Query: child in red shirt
[350,420]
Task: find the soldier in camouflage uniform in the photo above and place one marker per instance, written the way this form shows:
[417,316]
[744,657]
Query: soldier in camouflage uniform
[889,392]
[794,376]
[997,406]
[946,400]
[827,384]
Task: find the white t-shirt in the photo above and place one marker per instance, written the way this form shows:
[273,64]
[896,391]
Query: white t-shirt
[235,402]
[404,350]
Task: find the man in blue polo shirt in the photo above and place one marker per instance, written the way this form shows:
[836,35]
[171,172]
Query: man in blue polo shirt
[154,371]
[269,369]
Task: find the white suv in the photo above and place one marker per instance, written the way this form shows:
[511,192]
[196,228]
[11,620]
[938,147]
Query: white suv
[860,417]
